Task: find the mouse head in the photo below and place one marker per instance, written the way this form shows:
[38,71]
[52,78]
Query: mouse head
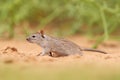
[36,37]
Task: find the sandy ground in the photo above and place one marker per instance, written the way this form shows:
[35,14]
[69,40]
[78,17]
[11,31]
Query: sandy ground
[16,51]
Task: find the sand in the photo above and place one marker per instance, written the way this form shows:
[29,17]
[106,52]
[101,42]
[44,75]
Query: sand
[23,52]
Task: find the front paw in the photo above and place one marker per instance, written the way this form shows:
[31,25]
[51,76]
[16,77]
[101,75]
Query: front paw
[42,54]
[39,54]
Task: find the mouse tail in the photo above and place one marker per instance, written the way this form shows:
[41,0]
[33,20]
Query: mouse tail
[94,50]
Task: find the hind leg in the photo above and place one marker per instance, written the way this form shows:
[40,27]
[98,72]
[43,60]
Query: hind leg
[50,54]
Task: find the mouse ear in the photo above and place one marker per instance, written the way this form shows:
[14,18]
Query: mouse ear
[42,33]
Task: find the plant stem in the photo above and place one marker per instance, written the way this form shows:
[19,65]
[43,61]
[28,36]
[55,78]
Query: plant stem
[105,26]
[11,30]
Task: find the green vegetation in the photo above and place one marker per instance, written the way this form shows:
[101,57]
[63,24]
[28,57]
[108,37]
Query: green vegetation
[90,17]
[13,72]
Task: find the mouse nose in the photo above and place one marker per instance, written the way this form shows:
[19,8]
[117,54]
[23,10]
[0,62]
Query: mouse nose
[27,39]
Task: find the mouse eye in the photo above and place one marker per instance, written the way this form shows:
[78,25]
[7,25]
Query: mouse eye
[33,36]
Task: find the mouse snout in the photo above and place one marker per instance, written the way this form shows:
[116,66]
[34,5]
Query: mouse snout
[27,39]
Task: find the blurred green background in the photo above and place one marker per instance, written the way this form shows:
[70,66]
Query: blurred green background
[93,18]
[62,17]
